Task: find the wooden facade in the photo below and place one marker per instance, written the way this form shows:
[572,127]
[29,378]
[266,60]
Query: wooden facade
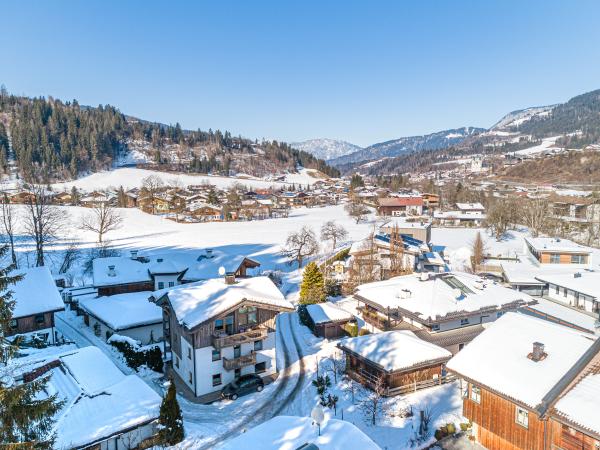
[28,324]
[126,288]
[564,258]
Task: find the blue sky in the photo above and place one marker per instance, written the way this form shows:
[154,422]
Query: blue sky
[361,71]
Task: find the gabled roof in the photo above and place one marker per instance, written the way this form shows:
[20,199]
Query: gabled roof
[498,357]
[401,201]
[327,312]
[35,293]
[580,405]
[395,351]
[195,303]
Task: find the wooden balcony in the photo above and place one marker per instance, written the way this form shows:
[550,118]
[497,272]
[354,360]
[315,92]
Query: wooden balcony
[238,363]
[219,341]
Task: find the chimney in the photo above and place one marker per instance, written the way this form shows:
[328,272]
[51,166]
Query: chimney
[538,353]
[134,254]
[209,252]
[230,278]
[424,276]
[111,271]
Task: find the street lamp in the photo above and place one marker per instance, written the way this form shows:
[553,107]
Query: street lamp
[318,416]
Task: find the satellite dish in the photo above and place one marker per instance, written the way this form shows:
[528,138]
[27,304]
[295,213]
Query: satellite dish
[457,293]
[222,271]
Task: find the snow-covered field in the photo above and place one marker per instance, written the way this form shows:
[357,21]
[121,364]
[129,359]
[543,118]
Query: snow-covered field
[130,177]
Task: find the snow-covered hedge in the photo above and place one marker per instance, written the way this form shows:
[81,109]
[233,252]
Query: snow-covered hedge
[136,356]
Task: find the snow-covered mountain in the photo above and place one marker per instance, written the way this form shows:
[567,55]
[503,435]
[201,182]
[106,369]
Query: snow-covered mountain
[516,118]
[326,148]
[396,147]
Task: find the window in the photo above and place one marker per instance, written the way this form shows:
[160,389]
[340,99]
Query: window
[500,314]
[14,323]
[219,324]
[557,290]
[237,351]
[258,345]
[216,355]
[554,258]
[435,327]
[464,322]
[171,283]
[161,285]
[247,315]
[476,393]
[190,377]
[260,367]
[577,259]
[565,292]
[216,379]
[522,417]
[237,373]
[39,318]
[189,352]
[176,361]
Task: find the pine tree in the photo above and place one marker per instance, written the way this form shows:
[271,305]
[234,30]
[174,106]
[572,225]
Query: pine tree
[312,289]
[170,420]
[27,413]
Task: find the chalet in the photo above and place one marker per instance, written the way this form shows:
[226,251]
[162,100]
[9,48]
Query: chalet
[124,408]
[255,209]
[524,379]
[36,300]
[430,201]
[122,274]
[400,206]
[63,198]
[130,315]
[22,197]
[466,214]
[287,432]
[94,199]
[219,329]
[446,309]
[398,359]
[205,212]
[329,320]
[575,209]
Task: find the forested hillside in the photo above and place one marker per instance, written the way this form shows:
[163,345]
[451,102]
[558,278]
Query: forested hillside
[54,140]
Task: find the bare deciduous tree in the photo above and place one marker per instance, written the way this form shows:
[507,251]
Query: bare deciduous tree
[535,215]
[102,219]
[372,402]
[300,245]
[501,216]
[9,218]
[356,209]
[331,231]
[42,220]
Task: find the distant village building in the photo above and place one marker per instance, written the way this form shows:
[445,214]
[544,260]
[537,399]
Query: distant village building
[466,214]
[400,206]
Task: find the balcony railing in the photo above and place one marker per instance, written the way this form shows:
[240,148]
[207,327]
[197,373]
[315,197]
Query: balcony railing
[238,363]
[222,341]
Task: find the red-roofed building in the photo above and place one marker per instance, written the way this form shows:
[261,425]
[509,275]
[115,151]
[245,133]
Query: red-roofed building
[400,206]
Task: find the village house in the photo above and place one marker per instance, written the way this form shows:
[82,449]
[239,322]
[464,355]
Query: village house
[22,197]
[575,209]
[398,360]
[36,300]
[63,198]
[408,205]
[131,315]
[446,309]
[524,383]
[580,289]
[430,201]
[466,214]
[95,199]
[420,230]
[219,329]
[135,273]
[204,212]
[101,408]
[548,250]
[329,320]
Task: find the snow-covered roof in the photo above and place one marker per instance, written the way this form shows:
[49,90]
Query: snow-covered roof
[124,311]
[470,206]
[580,404]
[35,293]
[547,244]
[395,350]
[327,312]
[198,265]
[553,310]
[458,215]
[98,399]
[498,357]
[289,433]
[438,296]
[582,281]
[398,222]
[126,270]
[195,303]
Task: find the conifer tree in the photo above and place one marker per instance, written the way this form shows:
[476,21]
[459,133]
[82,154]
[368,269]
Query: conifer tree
[312,289]
[170,420]
[27,413]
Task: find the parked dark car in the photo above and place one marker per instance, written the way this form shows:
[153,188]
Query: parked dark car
[243,385]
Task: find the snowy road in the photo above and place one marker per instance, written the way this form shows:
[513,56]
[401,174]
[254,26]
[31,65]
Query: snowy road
[274,400]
